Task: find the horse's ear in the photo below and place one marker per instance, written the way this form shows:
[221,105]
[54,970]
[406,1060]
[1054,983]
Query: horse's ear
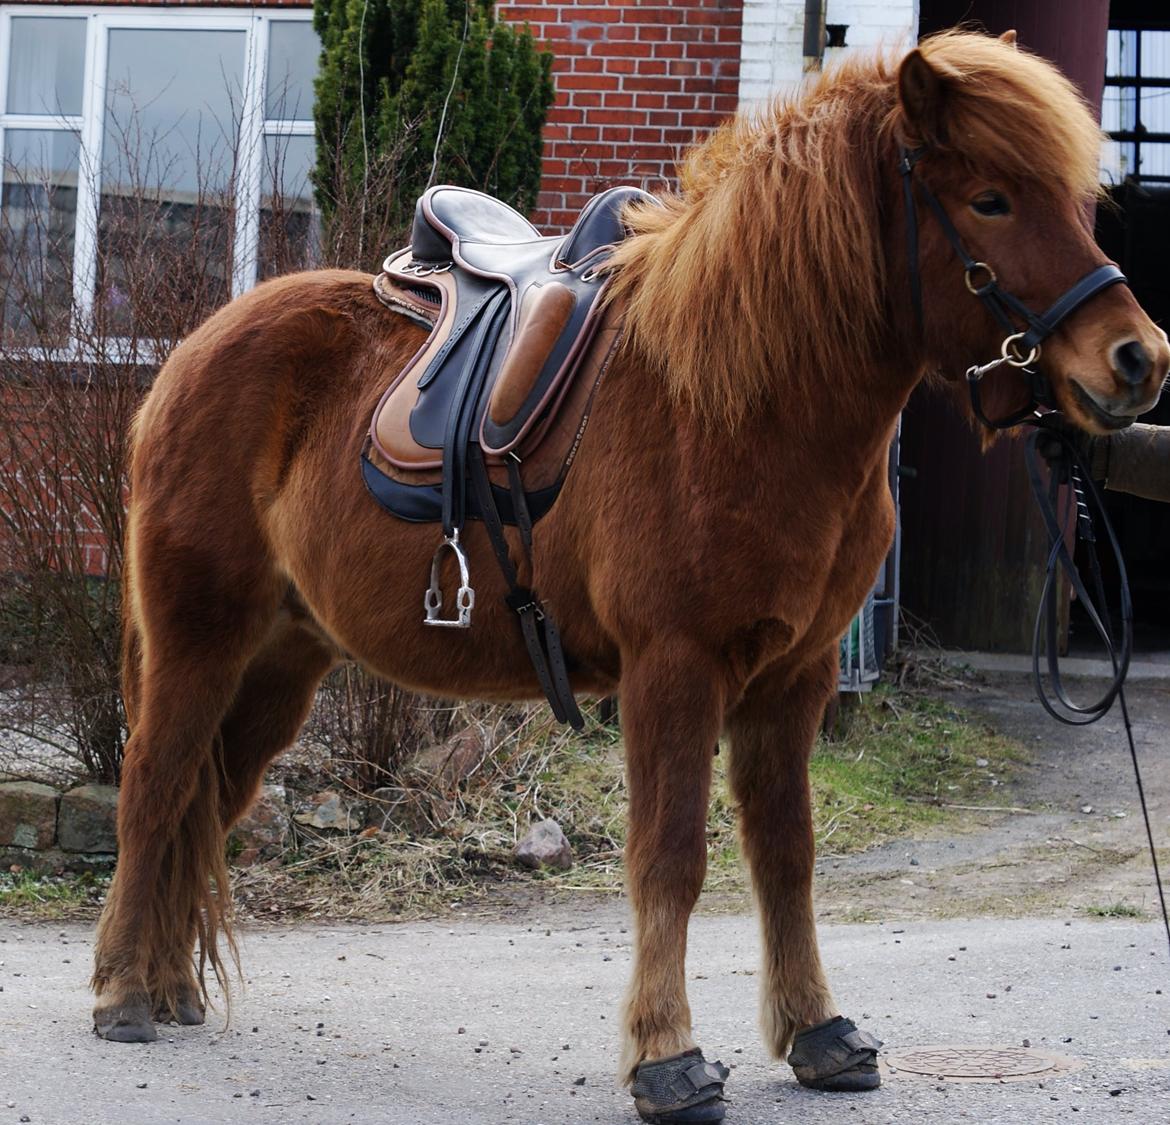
[1009,37]
[923,95]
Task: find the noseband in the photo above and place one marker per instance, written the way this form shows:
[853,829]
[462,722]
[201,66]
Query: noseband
[1020,348]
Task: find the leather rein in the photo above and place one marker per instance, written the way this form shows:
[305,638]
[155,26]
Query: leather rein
[1021,347]
[1083,501]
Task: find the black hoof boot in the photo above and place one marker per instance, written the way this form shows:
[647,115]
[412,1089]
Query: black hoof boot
[834,1055]
[128,1023]
[681,1090]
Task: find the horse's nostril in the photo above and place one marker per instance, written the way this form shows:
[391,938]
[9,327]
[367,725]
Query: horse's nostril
[1132,362]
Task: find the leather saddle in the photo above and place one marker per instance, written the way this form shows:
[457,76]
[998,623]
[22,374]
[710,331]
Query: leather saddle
[485,419]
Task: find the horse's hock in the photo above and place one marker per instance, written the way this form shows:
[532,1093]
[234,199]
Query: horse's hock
[43,829]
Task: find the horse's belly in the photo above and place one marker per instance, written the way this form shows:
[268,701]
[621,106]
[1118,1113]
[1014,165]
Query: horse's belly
[363,581]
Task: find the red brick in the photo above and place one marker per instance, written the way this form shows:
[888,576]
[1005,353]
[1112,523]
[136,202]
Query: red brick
[626,50]
[596,15]
[663,85]
[616,117]
[594,82]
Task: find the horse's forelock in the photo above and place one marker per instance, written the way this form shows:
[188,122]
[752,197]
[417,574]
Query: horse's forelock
[1012,114]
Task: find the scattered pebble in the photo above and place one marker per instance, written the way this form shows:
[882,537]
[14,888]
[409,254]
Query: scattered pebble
[579,1081]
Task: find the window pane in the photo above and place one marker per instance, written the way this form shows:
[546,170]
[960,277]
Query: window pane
[36,235]
[1155,109]
[293,49]
[46,65]
[1156,54]
[287,220]
[1155,160]
[169,148]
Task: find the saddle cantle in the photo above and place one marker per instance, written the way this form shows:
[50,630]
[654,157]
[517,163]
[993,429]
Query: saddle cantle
[485,419]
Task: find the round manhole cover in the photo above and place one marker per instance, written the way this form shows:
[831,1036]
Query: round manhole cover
[973,1064]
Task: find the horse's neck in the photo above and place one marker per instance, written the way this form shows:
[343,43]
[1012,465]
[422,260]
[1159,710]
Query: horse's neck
[839,416]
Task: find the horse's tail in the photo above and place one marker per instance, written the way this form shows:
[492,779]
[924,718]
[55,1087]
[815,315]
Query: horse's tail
[194,909]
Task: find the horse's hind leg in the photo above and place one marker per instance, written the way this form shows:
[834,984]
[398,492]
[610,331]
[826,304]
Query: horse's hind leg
[671,711]
[269,708]
[772,732]
[273,701]
[198,622]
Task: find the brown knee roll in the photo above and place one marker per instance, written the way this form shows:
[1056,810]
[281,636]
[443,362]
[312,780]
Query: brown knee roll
[543,316]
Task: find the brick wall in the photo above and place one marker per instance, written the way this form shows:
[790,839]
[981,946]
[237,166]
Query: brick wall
[637,84]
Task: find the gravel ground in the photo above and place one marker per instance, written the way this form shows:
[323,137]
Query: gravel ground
[363,1025]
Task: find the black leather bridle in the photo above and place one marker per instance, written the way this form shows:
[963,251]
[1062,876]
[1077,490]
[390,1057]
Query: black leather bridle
[1021,347]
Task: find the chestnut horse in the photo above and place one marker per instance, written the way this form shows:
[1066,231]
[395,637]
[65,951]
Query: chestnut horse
[724,517]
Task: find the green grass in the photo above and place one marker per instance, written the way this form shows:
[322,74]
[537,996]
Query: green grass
[899,760]
[902,758]
[26,895]
[1117,910]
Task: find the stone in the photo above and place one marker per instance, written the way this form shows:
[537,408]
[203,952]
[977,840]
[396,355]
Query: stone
[53,861]
[88,820]
[28,814]
[545,846]
[262,832]
[332,810]
[455,760]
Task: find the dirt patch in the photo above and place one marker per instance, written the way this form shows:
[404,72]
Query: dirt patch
[1074,839]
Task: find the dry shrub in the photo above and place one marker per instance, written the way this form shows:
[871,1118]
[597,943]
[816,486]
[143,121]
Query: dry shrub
[71,378]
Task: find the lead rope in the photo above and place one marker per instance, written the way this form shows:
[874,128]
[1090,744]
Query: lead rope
[1084,500]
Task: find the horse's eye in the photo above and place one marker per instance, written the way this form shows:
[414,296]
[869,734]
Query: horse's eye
[991,203]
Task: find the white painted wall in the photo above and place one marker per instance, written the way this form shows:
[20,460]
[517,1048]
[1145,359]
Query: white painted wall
[771,62]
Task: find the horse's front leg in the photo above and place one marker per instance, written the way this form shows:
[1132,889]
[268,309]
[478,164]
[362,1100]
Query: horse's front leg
[772,732]
[672,711]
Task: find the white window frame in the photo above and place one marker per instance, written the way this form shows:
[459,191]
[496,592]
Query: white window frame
[89,126]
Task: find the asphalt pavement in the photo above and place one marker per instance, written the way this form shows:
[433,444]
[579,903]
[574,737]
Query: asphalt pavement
[471,1022]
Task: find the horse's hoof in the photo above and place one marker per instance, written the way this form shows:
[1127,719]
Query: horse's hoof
[681,1090]
[187,1012]
[835,1055]
[124,1025]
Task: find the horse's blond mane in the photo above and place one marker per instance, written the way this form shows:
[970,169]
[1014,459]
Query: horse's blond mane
[771,257]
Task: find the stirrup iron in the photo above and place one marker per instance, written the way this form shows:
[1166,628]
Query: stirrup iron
[464,600]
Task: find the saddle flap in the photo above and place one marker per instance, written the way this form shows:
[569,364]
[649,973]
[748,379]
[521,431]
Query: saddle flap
[544,313]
